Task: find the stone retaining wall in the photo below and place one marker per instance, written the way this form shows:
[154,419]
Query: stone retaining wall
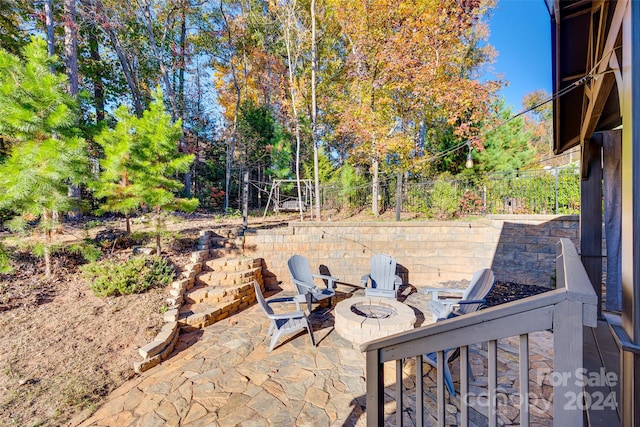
[518,248]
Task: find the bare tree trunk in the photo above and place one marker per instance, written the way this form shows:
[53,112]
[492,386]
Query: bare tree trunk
[98,86]
[314,109]
[48,21]
[71,46]
[232,143]
[47,218]
[183,61]
[375,185]
[71,65]
[267,42]
[124,182]
[181,104]
[292,90]
[158,230]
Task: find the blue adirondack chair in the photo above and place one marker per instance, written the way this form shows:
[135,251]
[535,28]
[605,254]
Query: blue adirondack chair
[304,281]
[382,280]
[283,323]
[471,299]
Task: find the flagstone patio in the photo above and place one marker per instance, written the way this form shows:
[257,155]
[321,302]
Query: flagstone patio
[224,376]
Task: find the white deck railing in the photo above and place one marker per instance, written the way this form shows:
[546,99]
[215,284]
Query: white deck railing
[564,311]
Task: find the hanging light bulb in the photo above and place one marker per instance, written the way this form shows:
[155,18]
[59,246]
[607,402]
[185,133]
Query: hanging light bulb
[469,162]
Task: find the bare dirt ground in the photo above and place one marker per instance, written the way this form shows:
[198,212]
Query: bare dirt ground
[63,349]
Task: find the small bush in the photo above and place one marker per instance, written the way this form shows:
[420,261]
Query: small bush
[135,275]
[444,200]
[471,203]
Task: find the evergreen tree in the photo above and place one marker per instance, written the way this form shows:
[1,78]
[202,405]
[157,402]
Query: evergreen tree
[157,161]
[46,153]
[326,169]
[281,155]
[141,161]
[115,182]
[507,147]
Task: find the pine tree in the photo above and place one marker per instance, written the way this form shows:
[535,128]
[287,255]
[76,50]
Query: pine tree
[46,153]
[115,182]
[157,161]
[507,147]
[141,161]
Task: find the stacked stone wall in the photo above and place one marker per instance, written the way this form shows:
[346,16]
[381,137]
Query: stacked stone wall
[518,248]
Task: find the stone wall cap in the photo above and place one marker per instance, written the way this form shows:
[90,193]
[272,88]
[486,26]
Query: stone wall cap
[506,217]
[380,224]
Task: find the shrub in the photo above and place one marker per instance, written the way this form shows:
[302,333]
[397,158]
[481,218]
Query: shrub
[471,203]
[444,199]
[217,197]
[416,199]
[135,275]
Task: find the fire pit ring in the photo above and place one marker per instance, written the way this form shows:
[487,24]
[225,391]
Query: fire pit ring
[361,319]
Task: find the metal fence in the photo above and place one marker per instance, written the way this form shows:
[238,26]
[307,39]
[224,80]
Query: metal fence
[545,191]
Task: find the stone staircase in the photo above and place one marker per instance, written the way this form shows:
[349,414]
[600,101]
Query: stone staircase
[223,282]
[216,284]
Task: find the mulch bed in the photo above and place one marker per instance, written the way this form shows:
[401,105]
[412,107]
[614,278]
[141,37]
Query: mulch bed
[503,292]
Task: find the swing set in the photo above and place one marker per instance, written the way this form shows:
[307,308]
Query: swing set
[285,199]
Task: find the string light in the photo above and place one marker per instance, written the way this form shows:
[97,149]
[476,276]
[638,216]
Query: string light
[469,162]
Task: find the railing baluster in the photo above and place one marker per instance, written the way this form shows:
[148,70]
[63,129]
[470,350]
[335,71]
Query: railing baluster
[492,363]
[375,390]
[464,385]
[440,392]
[399,393]
[419,392]
[524,380]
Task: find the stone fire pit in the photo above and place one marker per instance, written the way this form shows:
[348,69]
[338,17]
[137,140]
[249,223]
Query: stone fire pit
[361,319]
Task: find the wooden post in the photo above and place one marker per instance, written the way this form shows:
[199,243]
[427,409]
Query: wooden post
[245,199]
[630,369]
[591,215]
[567,351]
[375,389]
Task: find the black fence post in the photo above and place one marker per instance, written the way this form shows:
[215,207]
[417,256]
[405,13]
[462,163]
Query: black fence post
[398,195]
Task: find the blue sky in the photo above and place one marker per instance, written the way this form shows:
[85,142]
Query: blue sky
[521,35]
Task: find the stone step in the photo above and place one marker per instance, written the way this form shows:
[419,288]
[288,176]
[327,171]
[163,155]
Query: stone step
[228,278]
[207,254]
[232,264]
[200,315]
[219,242]
[216,294]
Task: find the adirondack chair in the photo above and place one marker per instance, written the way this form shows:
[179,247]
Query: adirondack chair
[471,299]
[382,280]
[283,323]
[449,356]
[304,281]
